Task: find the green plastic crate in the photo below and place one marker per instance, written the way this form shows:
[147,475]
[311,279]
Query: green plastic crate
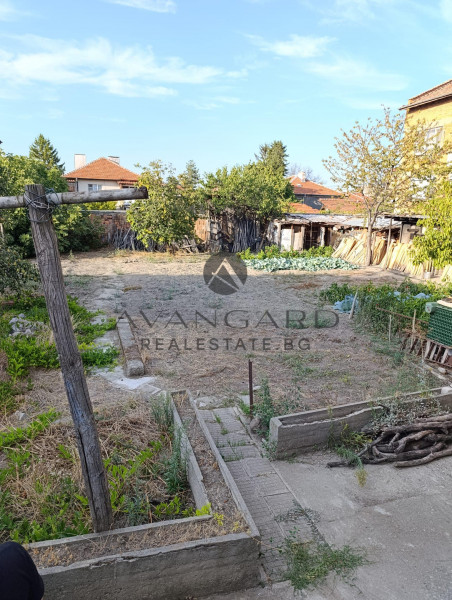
[440,324]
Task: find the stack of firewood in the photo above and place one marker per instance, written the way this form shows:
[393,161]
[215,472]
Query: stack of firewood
[410,445]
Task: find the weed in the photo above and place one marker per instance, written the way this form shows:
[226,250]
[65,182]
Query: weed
[245,408]
[17,435]
[175,475]
[217,418]
[217,303]
[162,412]
[309,563]
[265,407]
[298,366]
[269,449]
[223,430]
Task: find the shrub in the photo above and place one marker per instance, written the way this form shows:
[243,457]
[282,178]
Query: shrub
[17,276]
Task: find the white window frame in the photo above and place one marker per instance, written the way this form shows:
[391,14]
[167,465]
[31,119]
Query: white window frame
[94,187]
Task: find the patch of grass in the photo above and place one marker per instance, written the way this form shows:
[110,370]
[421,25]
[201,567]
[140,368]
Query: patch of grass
[41,488]
[298,365]
[38,350]
[175,475]
[245,408]
[162,412]
[309,563]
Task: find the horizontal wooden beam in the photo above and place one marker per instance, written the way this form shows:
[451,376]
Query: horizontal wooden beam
[80,197]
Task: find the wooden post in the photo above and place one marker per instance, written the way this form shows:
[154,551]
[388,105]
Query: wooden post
[48,258]
[352,310]
[388,243]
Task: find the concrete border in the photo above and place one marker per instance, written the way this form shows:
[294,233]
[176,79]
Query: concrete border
[238,498]
[194,475]
[296,433]
[134,366]
[197,568]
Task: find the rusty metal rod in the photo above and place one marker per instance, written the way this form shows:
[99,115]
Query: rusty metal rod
[250,385]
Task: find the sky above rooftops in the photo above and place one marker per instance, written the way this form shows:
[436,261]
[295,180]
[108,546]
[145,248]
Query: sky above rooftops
[211,80]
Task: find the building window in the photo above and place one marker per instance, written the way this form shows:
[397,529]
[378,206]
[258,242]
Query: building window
[434,135]
[94,187]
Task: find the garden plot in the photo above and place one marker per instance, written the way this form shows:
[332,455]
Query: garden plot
[190,337]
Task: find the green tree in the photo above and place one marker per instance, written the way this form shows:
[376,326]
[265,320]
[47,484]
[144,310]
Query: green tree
[74,228]
[274,157]
[435,245]
[170,212]
[389,163]
[250,191]
[43,151]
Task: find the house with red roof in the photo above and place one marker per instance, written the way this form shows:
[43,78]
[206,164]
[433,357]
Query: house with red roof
[100,174]
[313,198]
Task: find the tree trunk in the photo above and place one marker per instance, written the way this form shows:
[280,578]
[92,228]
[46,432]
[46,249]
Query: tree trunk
[369,241]
[48,258]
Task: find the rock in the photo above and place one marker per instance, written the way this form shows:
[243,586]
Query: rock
[13,320]
[255,424]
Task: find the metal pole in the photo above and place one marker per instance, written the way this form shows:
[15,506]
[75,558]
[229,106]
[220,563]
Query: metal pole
[250,385]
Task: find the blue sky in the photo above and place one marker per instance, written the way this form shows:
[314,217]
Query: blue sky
[211,80]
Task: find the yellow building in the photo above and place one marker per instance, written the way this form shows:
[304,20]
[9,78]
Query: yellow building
[435,107]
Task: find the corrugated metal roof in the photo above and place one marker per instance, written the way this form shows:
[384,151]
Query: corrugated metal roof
[341,220]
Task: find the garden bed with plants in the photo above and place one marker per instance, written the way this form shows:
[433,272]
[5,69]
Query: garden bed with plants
[375,303]
[161,560]
[315,259]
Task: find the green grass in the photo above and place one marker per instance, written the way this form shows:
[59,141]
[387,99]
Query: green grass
[309,563]
[39,351]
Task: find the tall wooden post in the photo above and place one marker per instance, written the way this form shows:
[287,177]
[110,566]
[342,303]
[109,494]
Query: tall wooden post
[48,258]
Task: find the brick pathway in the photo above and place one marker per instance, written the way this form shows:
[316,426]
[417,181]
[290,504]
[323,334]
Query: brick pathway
[272,506]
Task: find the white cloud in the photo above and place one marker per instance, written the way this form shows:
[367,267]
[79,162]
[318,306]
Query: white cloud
[124,71]
[216,102]
[354,10]
[161,6]
[353,73]
[296,46]
[446,9]
[8,12]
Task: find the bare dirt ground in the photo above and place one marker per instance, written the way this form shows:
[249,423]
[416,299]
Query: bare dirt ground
[193,338]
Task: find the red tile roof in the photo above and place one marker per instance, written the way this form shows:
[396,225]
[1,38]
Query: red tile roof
[103,168]
[444,90]
[298,207]
[310,188]
[338,206]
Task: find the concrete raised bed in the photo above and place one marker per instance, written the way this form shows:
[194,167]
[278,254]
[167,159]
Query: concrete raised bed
[174,572]
[299,432]
[133,363]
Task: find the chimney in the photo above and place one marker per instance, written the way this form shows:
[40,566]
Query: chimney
[79,161]
[114,159]
[302,175]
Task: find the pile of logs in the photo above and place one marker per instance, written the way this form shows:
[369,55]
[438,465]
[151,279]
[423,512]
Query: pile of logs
[410,445]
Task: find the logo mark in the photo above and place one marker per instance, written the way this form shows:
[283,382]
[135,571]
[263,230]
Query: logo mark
[225,275]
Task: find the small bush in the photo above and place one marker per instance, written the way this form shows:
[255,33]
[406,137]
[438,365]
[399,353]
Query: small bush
[17,276]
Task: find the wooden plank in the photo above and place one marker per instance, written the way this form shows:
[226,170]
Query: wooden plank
[48,259]
[80,197]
